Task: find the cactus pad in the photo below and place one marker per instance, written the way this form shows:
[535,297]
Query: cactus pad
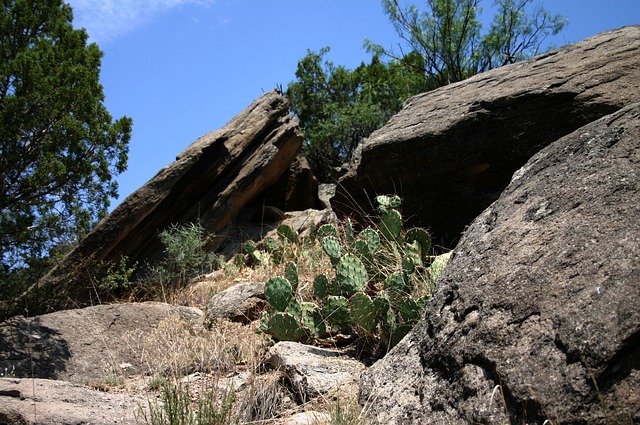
[326,230]
[385,202]
[335,311]
[395,285]
[438,265]
[321,286]
[411,257]
[331,246]
[351,275]
[368,242]
[391,225]
[422,238]
[291,274]
[284,327]
[363,312]
[278,292]
[286,233]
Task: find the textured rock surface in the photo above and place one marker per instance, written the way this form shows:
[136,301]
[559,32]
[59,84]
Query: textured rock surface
[210,182]
[84,345]
[240,303]
[314,371]
[540,300]
[45,402]
[450,152]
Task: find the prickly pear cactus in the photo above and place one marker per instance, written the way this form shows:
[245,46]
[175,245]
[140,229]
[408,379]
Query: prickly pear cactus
[409,310]
[348,231]
[284,327]
[411,257]
[391,225]
[311,320]
[331,245]
[382,304]
[396,286]
[385,202]
[351,275]
[438,265]
[326,230]
[249,247]
[367,243]
[286,233]
[363,312]
[278,292]
[336,312]
[270,244]
[321,286]
[422,238]
[291,274]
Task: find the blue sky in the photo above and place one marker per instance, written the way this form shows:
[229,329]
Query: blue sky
[181,68]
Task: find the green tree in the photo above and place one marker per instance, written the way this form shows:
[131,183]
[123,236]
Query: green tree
[338,107]
[59,147]
[447,35]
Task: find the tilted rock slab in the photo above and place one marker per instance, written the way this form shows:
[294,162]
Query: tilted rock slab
[540,301]
[209,183]
[450,152]
[86,345]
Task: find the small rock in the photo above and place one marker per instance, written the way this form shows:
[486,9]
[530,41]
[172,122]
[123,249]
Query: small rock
[314,371]
[308,418]
[240,303]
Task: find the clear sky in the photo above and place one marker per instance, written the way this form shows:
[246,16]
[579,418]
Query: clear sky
[181,68]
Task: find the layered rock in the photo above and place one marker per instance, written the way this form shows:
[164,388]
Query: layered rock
[450,152]
[535,319]
[209,183]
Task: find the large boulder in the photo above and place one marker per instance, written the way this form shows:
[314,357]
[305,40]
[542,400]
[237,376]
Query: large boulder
[210,182]
[535,320]
[87,345]
[450,152]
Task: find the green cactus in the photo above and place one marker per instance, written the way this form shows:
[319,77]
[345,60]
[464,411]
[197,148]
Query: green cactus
[438,265]
[382,303]
[278,292]
[422,238]
[391,225]
[367,243]
[260,257]
[249,247]
[411,257]
[351,275]
[331,246]
[326,230]
[321,286]
[409,310]
[270,244]
[348,231]
[291,274]
[363,312]
[386,203]
[336,312]
[312,319]
[284,327]
[286,233]
[396,285]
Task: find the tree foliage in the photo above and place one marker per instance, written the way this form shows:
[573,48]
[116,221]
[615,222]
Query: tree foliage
[59,146]
[338,107]
[447,35]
